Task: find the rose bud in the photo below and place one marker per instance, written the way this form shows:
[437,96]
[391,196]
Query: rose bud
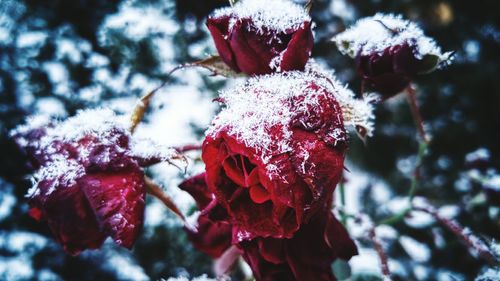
[390,52]
[88,184]
[259,37]
[274,155]
[211,233]
[306,256]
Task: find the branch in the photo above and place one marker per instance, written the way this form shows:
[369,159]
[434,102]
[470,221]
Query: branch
[463,234]
[384,263]
[412,100]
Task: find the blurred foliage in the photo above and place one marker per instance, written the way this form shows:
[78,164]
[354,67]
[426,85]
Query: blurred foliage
[460,104]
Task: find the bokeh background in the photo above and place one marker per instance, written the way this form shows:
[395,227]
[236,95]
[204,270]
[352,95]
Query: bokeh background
[58,56]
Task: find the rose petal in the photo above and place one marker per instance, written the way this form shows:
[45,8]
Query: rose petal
[298,50]
[118,201]
[218,28]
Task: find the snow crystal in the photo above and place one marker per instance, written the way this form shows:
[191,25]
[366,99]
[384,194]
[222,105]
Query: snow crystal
[95,122]
[264,103]
[59,171]
[147,148]
[279,15]
[375,34]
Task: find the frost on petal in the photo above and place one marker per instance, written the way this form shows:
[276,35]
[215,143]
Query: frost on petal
[258,37]
[87,186]
[279,15]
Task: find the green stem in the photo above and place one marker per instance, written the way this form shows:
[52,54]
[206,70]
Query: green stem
[396,218]
[343,217]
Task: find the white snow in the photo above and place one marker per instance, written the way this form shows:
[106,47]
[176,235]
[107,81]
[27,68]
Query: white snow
[478,154]
[264,103]
[492,274]
[418,251]
[375,34]
[277,15]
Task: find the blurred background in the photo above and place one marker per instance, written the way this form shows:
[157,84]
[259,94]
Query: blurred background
[59,56]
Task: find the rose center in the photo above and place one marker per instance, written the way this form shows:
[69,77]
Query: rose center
[244,174]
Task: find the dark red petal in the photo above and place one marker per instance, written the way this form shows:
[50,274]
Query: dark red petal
[259,194]
[211,236]
[404,60]
[272,250]
[35,213]
[262,269]
[299,49]
[118,200]
[218,28]
[198,189]
[338,239]
[389,84]
[317,164]
[70,218]
[247,59]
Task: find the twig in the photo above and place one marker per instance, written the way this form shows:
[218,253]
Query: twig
[155,190]
[188,147]
[384,263]
[412,100]
[468,239]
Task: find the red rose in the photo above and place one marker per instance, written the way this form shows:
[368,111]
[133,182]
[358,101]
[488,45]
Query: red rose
[274,155]
[260,37]
[308,255]
[390,52]
[390,72]
[88,183]
[212,232]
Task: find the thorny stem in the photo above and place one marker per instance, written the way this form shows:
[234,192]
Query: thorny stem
[372,236]
[155,190]
[412,100]
[469,241]
[384,263]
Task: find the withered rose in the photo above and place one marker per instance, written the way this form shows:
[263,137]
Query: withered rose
[88,182]
[390,52]
[274,155]
[307,255]
[260,37]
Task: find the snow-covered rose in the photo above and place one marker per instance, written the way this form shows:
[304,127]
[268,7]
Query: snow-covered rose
[260,37]
[88,181]
[276,152]
[390,52]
